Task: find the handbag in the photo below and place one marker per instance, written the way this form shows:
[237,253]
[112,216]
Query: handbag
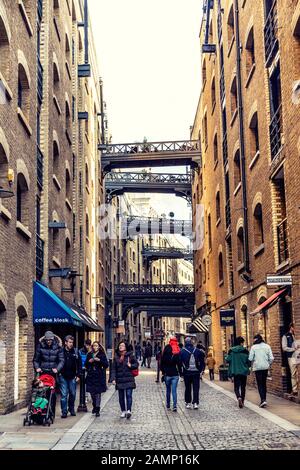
[135,372]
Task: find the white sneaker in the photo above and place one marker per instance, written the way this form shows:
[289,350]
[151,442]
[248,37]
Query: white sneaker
[128,414]
[196,406]
[123,414]
[189,406]
[263,404]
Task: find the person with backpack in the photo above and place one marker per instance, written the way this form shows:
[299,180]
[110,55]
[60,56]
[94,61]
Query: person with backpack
[262,358]
[124,370]
[239,368]
[193,362]
[171,369]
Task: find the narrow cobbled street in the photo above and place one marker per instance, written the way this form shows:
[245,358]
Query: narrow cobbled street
[218,424]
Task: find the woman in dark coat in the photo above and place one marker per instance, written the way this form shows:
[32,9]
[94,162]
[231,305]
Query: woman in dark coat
[124,364]
[96,364]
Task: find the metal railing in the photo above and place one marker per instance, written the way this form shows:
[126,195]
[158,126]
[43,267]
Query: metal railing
[157,252]
[271,34]
[154,289]
[276,132]
[143,178]
[222,84]
[225,149]
[220,27]
[136,225]
[40,77]
[186,146]
[39,257]
[228,214]
[40,167]
[40,9]
[282,240]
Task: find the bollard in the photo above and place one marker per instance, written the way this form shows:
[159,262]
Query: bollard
[82,408]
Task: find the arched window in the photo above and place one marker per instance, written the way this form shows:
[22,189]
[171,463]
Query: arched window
[230,27]
[4,150]
[204,271]
[240,245]
[221,269]
[254,135]
[87,177]
[68,253]
[250,52]
[204,73]
[56,158]
[218,206]
[200,276]
[23,89]
[4,46]
[87,225]
[216,150]
[22,200]
[68,117]
[68,186]
[205,130]
[56,77]
[237,168]
[209,232]
[233,96]
[87,278]
[258,226]
[67,48]
[213,93]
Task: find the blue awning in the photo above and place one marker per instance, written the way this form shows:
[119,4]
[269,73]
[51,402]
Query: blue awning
[49,308]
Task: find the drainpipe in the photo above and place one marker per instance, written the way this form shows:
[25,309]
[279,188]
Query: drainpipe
[86,32]
[242,137]
[102,113]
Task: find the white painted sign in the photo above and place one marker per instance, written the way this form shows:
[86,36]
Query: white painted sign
[279,280]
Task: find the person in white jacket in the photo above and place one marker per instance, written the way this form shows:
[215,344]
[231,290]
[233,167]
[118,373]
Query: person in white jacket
[261,357]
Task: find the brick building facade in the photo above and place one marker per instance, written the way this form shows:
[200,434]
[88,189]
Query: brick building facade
[248,122]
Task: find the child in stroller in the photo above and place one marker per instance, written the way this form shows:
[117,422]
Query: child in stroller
[42,402]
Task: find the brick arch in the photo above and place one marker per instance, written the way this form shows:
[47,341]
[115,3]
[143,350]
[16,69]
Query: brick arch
[67,100]
[243,301]
[56,140]
[220,249]
[248,30]
[233,76]
[68,168]
[236,147]
[3,297]
[55,216]
[22,169]
[257,200]
[21,302]
[56,64]
[23,63]
[262,293]
[240,224]
[4,145]
[253,111]
[67,235]
[4,21]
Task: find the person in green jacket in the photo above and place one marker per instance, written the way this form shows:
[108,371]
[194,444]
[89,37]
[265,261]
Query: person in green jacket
[239,368]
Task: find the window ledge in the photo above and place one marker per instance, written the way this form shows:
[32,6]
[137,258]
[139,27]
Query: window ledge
[259,250]
[237,189]
[87,137]
[234,116]
[8,92]
[284,264]
[23,230]
[4,213]
[25,17]
[56,261]
[24,121]
[56,104]
[87,189]
[218,222]
[216,164]
[241,267]
[221,283]
[68,204]
[250,75]
[56,182]
[231,45]
[213,107]
[254,160]
[87,239]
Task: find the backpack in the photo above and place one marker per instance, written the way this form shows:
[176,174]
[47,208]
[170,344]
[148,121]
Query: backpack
[192,362]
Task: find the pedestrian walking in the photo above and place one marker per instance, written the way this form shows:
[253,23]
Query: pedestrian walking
[87,347]
[171,369]
[148,354]
[289,347]
[96,364]
[49,358]
[158,359]
[261,357]
[239,368]
[193,362]
[124,370]
[143,355]
[211,362]
[138,352]
[69,376]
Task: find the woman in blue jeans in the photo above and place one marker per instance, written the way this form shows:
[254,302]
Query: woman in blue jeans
[171,369]
[124,365]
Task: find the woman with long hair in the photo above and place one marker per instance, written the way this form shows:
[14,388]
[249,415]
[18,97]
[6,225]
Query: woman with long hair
[261,357]
[124,369]
[171,369]
[96,364]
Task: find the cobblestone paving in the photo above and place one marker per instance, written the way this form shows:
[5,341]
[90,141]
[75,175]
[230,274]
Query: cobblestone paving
[218,424]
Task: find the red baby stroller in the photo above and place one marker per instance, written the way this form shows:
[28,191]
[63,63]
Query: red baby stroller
[42,415]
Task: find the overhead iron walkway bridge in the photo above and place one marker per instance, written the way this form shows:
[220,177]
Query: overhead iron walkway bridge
[166,311]
[150,154]
[118,183]
[154,253]
[132,226]
[155,295]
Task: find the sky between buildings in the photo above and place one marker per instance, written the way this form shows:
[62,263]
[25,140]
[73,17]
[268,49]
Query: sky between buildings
[149,59]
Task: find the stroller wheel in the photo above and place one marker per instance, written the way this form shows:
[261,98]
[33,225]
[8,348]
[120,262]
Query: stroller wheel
[25,421]
[44,421]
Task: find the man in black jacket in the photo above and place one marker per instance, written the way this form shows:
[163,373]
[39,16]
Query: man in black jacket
[49,356]
[70,374]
